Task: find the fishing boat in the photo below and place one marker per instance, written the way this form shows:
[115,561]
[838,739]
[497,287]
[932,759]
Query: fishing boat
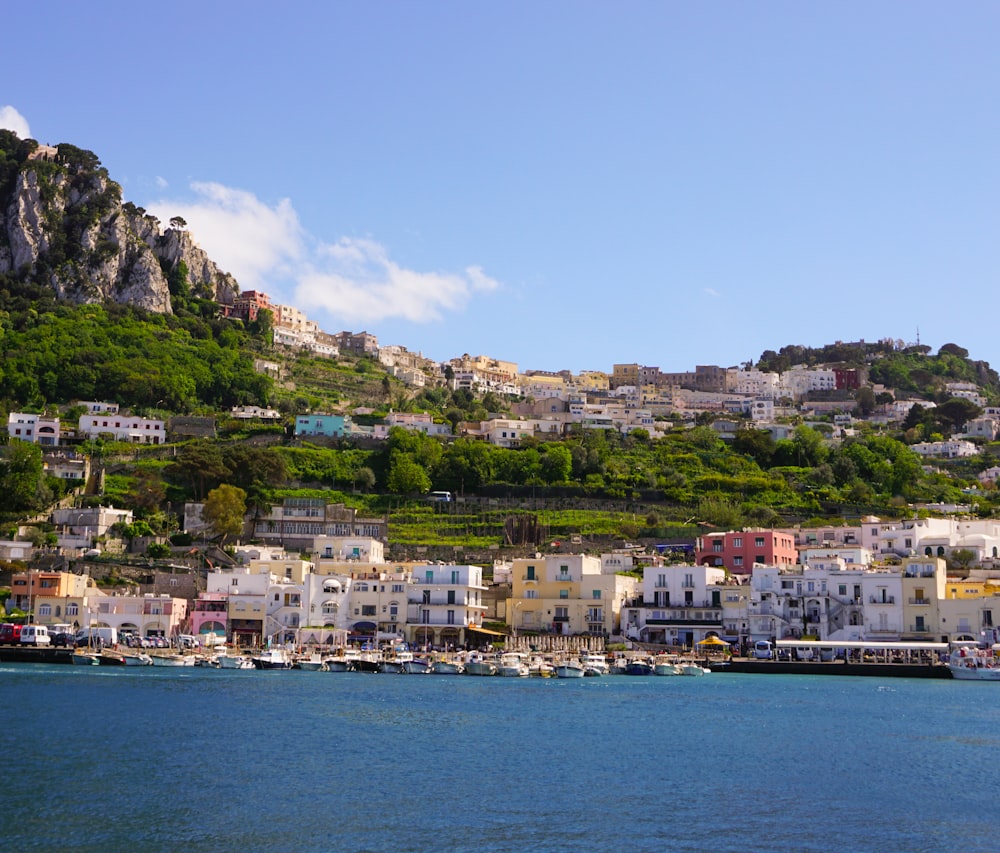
[417,666]
[446,666]
[313,663]
[569,669]
[479,664]
[175,659]
[136,659]
[639,666]
[233,660]
[690,667]
[343,661]
[272,659]
[85,658]
[666,665]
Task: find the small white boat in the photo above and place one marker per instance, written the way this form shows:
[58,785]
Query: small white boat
[513,665]
[342,662]
[396,662]
[666,665]
[446,666]
[139,659]
[539,667]
[570,669]
[968,664]
[82,658]
[689,667]
[313,663]
[417,666]
[479,664]
[594,664]
[272,659]
[233,660]
[177,659]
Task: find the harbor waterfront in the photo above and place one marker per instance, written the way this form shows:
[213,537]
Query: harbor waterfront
[200,759]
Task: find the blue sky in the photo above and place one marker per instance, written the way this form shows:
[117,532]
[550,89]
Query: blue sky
[566,185]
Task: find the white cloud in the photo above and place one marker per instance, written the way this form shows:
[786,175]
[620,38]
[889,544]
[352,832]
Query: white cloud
[161,183]
[11,119]
[352,279]
[711,291]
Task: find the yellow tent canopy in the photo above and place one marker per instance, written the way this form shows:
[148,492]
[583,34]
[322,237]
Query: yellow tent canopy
[712,641]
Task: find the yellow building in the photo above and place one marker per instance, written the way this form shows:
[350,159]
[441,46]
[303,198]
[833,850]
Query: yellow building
[566,594]
[923,582]
[52,597]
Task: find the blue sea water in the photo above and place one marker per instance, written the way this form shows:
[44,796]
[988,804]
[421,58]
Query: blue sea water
[109,759]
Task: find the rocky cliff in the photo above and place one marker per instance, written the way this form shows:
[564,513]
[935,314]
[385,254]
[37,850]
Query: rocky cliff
[63,224]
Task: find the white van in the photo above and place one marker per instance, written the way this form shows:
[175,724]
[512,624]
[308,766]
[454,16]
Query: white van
[97,636]
[441,497]
[35,635]
[762,650]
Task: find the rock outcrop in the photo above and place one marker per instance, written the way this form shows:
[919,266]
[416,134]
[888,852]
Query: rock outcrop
[63,225]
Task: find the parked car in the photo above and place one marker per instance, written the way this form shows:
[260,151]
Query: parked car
[10,633]
[63,638]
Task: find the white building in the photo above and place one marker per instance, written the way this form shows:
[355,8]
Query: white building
[680,605]
[36,429]
[443,603]
[128,428]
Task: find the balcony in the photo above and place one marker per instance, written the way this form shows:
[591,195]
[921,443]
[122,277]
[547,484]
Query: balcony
[920,629]
[888,599]
[529,579]
[560,618]
[920,601]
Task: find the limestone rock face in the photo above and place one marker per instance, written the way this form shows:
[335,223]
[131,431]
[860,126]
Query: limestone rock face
[63,224]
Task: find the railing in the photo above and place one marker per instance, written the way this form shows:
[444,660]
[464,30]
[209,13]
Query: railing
[920,601]
[888,599]
[882,630]
[560,618]
[920,629]
[529,579]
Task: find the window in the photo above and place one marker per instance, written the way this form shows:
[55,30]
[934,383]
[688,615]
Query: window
[451,617]
[397,587]
[987,618]
[451,596]
[531,593]
[367,609]
[758,542]
[738,542]
[427,596]
[564,593]
[597,593]
[454,576]
[759,558]
[531,573]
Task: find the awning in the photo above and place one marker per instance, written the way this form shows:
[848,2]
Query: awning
[485,631]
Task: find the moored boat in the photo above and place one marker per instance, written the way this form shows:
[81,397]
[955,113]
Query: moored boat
[690,667]
[177,659]
[136,659]
[594,664]
[84,658]
[233,660]
[479,664]
[968,664]
[272,659]
[446,666]
[666,665]
[639,666]
[417,666]
[512,665]
[569,669]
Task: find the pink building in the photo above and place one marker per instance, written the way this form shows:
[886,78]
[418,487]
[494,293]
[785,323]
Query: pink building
[210,614]
[738,550]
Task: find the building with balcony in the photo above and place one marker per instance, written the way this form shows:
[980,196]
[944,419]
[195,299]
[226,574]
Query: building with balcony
[679,605]
[566,594]
[923,588]
[739,550]
[445,605]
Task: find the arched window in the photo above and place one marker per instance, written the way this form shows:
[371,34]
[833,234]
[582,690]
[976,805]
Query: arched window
[940,552]
[45,610]
[928,552]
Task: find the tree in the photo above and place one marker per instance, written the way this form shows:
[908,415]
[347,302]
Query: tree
[21,476]
[178,222]
[224,509]
[407,477]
